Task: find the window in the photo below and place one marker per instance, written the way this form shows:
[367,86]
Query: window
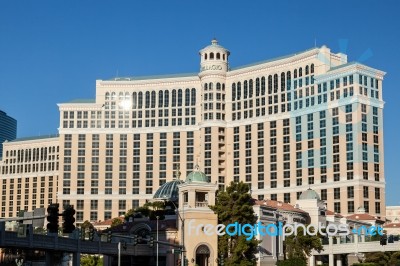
[336,207]
[350,192]
[350,206]
[336,193]
[324,194]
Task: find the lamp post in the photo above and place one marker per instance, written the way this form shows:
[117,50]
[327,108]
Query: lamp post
[157,217]
[119,253]
[278,218]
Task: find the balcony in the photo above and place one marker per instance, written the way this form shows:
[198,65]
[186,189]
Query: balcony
[201,204]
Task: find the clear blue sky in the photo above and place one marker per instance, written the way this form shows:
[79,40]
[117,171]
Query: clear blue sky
[53,51]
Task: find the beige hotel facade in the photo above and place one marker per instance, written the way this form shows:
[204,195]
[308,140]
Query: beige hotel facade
[29,174]
[310,119]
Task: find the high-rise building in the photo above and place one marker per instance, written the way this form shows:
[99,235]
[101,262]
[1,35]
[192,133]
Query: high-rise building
[310,119]
[8,129]
[29,174]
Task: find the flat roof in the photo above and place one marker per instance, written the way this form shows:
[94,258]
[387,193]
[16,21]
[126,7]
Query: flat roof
[36,137]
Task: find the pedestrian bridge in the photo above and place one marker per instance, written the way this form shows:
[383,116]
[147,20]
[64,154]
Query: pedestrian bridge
[361,247]
[336,250]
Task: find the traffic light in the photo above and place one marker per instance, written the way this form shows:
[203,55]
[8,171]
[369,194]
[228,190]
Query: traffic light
[52,218]
[109,236]
[69,219]
[151,241]
[186,262]
[390,239]
[383,240]
[91,234]
[135,240]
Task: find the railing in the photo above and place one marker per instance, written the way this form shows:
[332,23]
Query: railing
[201,204]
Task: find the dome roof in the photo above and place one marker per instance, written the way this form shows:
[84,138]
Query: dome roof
[197,176]
[168,191]
[309,194]
[214,46]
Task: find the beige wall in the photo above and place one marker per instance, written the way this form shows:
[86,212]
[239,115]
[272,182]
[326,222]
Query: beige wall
[29,175]
[94,180]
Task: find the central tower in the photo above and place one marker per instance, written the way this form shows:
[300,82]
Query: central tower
[213,68]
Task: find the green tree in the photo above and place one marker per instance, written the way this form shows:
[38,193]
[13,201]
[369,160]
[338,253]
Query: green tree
[149,209]
[235,205]
[301,245]
[88,260]
[85,227]
[115,222]
[388,258]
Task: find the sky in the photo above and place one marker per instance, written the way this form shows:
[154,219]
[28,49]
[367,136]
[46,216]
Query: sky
[54,51]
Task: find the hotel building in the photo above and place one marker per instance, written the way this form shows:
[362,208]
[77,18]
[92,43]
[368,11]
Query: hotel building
[29,174]
[8,129]
[310,119]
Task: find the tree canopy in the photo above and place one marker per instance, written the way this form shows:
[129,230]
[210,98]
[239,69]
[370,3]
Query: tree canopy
[149,209]
[235,205]
[300,246]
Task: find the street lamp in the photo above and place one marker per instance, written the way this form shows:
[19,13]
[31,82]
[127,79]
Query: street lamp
[182,228]
[278,219]
[157,217]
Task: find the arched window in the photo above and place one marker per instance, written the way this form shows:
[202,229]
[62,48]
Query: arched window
[173,98]
[223,86]
[180,97]
[295,74]
[205,56]
[187,97]
[140,100]
[153,99]
[283,81]
[127,96]
[223,57]
[193,101]
[269,84]
[233,91]
[166,98]
[275,83]
[263,86]
[250,88]
[147,101]
[211,55]
[307,70]
[312,68]
[239,90]
[245,89]
[257,87]
[134,100]
[160,98]
[113,96]
[121,96]
[288,80]
[218,86]
[107,96]
[300,72]
[218,56]
[210,86]
[205,86]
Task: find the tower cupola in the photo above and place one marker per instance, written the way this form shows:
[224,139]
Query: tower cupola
[214,58]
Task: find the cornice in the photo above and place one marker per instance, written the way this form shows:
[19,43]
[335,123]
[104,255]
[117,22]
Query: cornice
[273,65]
[155,82]
[350,69]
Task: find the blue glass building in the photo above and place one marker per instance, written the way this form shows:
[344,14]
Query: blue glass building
[8,129]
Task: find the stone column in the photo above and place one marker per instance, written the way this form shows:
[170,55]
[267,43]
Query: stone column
[311,260]
[338,260]
[331,260]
